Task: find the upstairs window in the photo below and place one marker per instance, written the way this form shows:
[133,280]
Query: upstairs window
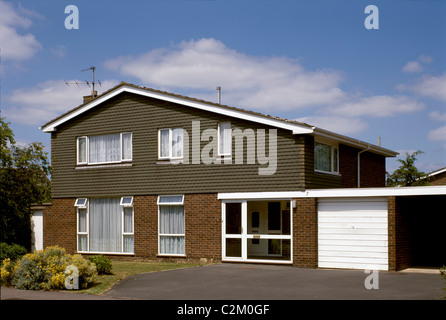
[224,139]
[326,158]
[170,143]
[112,148]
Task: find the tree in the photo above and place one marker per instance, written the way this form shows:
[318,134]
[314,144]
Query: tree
[407,174]
[24,180]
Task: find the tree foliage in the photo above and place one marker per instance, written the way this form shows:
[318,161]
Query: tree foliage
[24,180]
[407,174]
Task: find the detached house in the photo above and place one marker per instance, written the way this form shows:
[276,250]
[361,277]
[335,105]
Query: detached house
[139,172]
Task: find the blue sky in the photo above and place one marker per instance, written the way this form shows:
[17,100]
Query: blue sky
[313,61]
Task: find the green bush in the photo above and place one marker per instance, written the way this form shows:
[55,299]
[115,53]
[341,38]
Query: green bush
[13,251]
[103,264]
[47,270]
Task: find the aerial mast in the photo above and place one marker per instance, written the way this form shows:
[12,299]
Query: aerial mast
[92,83]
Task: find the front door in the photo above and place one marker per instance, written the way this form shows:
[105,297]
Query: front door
[257,231]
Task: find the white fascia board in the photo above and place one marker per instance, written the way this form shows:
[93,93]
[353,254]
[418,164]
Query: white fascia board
[354,142]
[434,173]
[295,128]
[336,193]
[52,127]
[260,195]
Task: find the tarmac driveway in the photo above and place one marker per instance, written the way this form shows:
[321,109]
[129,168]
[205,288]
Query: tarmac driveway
[271,282]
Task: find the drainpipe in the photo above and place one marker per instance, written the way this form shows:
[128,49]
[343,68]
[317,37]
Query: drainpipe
[359,165]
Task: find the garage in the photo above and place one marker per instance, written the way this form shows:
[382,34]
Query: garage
[353,233]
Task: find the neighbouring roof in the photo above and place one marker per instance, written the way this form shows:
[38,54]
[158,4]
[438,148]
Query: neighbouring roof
[437,172]
[294,126]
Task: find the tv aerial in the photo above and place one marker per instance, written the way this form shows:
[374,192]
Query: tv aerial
[88,83]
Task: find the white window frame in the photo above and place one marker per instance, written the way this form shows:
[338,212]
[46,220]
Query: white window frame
[78,150]
[81,203]
[170,147]
[181,203]
[334,149]
[220,140]
[87,232]
[121,203]
[87,150]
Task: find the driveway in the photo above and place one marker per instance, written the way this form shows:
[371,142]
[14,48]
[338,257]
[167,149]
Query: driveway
[271,282]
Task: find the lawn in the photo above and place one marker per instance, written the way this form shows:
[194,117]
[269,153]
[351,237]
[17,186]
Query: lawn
[122,269]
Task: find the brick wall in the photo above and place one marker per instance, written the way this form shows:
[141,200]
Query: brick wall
[372,168]
[59,225]
[203,226]
[305,244]
[398,235]
[145,210]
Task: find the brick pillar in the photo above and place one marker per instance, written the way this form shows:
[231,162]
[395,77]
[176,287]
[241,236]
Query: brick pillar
[398,235]
[305,233]
[203,226]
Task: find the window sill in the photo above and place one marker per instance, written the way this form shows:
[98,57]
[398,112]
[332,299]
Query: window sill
[327,172]
[97,166]
[107,253]
[169,161]
[165,255]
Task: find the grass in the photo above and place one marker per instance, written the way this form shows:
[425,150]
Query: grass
[123,269]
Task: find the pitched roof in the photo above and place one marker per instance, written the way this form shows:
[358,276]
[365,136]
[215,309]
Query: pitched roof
[292,125]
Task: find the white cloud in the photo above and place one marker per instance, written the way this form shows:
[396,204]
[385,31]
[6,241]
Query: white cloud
[437,116]
[432,87]
[59,51]
[418,65]
[412,67]
[378,106]
[338,124]
[438,134]
[248,81]
[47,100]
[16,46]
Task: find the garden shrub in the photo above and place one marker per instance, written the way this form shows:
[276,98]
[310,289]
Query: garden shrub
[103,264]
[46,269]
[13,251]
[7,271]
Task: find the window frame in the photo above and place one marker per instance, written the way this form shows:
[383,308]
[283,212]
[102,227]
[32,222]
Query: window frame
[334,161]
[87,227]
[170,146]
[183,235]
[220,140]
[87,150]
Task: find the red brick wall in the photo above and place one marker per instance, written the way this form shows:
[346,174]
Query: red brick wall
[398,235]
[305,245]
[372,166]
[203,226]
[145,210]
[59,225]
[373,170]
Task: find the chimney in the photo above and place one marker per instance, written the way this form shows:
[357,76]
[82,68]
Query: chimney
[90,97]
[379,141]
[219,95]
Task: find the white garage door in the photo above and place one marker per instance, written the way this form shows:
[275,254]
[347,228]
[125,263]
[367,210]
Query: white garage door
[352,233]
